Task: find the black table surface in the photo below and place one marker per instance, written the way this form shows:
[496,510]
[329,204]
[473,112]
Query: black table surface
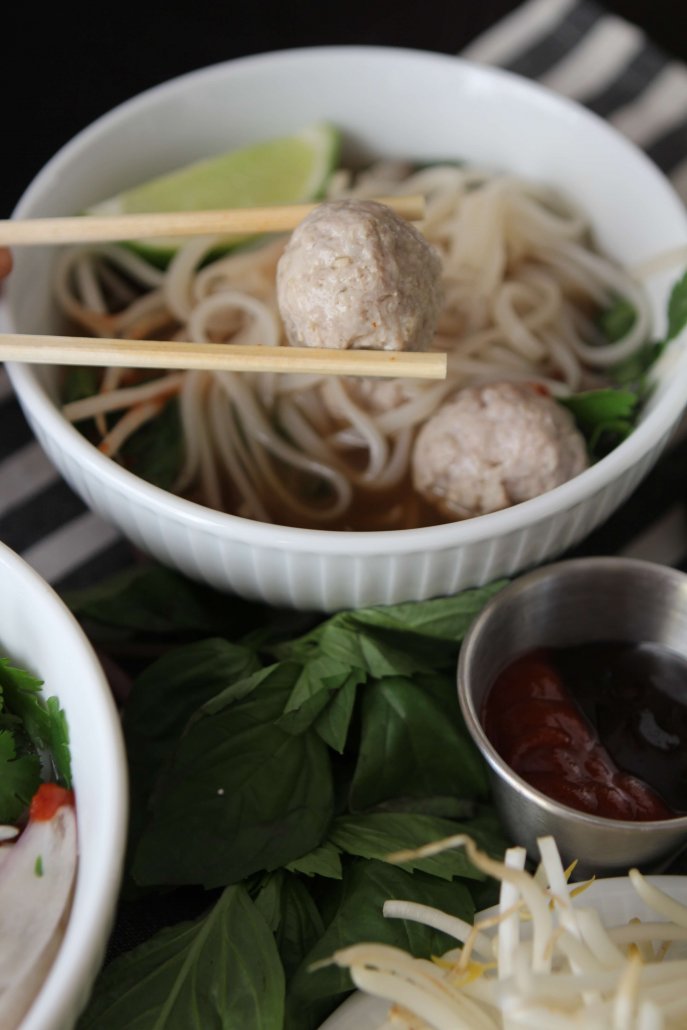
[64,64]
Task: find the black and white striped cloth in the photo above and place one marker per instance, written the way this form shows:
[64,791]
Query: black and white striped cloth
[572,46]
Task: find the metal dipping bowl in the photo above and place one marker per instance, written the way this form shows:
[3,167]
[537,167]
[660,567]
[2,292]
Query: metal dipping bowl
[573,602]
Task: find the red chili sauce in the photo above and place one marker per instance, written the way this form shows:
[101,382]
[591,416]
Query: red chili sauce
[599,727]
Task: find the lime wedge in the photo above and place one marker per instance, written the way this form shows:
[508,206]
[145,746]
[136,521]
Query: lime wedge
[289,170]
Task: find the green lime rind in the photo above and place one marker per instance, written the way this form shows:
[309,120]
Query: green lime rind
[288,170]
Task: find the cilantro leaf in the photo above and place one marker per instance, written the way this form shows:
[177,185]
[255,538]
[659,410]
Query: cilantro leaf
[605,417]
[608,415]
[58,741]
[43,722]
[20,778]
[632,372]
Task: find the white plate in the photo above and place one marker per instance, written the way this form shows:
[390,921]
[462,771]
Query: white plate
[614,898]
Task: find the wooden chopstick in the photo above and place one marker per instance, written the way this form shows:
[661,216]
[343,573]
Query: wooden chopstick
[110,228]
[77,350]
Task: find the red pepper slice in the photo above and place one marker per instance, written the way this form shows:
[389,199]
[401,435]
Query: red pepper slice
[47,799]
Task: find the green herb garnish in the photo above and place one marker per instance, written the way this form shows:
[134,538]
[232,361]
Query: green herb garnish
[285,767]
[607,416]
[30,729]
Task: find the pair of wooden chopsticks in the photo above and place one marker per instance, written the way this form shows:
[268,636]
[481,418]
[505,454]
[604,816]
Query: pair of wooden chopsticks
[68,350]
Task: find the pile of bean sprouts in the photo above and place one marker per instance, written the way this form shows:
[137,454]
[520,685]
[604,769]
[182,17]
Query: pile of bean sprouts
[540,962]
[523,287]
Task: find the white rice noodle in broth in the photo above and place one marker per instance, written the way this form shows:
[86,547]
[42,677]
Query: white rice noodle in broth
[523,287]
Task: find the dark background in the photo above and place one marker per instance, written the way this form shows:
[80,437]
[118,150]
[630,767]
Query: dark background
[62,64]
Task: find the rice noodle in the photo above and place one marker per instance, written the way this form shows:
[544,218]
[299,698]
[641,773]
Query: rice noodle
[522,285]
[127,425]
[115,400]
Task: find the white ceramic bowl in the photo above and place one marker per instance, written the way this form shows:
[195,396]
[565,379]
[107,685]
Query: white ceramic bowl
[40,634]
[388,102]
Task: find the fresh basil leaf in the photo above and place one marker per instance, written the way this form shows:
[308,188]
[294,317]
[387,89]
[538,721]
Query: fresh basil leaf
[617,320]
[79,382]
[677,308]
[20,777]
[221,972]
[281,673]
[320,681]
[442,806]
[487,832]
[442,619]
[268,899]
[153,599]
[369,651]
[156,450]
[413,743]
[161,703]
[337,640]
[292,915]
[240,793]
[378,834]
[323,861]
[396,639]
[333,722]
[311,995]
[300,926]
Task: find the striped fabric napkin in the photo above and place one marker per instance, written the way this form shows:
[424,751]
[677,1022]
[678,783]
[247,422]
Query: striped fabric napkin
[572,46]
[604,63]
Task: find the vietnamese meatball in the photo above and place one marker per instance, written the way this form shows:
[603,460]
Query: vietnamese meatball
[354,274]
[495,445]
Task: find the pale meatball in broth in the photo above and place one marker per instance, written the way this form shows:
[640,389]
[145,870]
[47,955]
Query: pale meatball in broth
[489,447]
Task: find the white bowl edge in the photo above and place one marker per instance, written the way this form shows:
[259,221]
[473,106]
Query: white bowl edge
[117,492]
[33,623]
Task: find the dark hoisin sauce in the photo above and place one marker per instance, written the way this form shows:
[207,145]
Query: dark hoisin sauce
[600,727]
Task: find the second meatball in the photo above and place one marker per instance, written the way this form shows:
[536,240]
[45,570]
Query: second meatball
[492,446]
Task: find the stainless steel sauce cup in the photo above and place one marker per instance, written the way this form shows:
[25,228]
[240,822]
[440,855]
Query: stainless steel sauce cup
[573,602]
